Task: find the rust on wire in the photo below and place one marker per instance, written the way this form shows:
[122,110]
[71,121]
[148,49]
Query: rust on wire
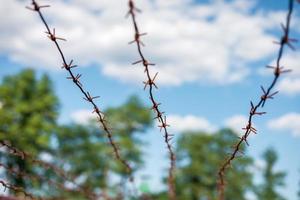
[17,189]
[267,94]
[150,84]
[59,172]
[50,182]
[24,155]
[76,80]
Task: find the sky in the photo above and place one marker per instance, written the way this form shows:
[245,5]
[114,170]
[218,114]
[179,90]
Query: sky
[210,55]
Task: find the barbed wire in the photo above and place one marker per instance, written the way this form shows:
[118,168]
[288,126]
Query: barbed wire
[267,94]
[58,171]
[150,83]
[69,66]
[26,156]
[17,189]
[50,182]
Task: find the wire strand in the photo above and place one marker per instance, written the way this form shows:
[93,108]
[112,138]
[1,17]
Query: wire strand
[267,94]
[150,83]
[68,66]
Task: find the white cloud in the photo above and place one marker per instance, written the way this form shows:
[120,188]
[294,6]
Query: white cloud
[46,157]
[83,117]
[289,86]
[251,196]
[289,122]
[189,123]
[211,43]
[259,164]
[289,83]
[236,123]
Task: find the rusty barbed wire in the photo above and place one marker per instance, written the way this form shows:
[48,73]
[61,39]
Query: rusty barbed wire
[50,182]
[68,66]
[59,172]
[267,94]
[24,155]
[150,83]
[17,189]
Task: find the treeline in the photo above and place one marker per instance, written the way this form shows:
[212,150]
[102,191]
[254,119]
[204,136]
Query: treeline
[29,121]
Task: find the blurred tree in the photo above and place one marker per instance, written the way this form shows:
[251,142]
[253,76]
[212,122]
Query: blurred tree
[87,154]
[298,189]
[199,156]
[128,122]
[28,114]
[272,180]
[298,193]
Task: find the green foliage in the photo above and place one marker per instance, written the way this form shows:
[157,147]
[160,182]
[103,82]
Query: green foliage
[87,154]
[28,114]
[27,117]
[298,194]
[272,179]
[199,157]
[129,121]
[82,150]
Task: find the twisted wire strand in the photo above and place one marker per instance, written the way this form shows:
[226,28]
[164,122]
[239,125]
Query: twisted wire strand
[17,189]
[58,171]
[50,182]
[69,66]
[150,84]
[266,95]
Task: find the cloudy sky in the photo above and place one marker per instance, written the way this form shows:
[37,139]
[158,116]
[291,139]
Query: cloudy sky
[210,55]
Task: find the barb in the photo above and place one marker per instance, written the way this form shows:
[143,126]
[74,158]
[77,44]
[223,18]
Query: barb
[17,189]
[76,79]
[267,94]
[61,186]
[59,172]
[150,83]
[23,155]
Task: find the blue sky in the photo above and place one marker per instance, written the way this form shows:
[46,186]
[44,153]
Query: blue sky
[210,56]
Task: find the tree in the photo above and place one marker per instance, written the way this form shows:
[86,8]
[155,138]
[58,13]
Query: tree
[298,194]
[27,118]
[298,189]
[88,155]
[271,179]
[199,155]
